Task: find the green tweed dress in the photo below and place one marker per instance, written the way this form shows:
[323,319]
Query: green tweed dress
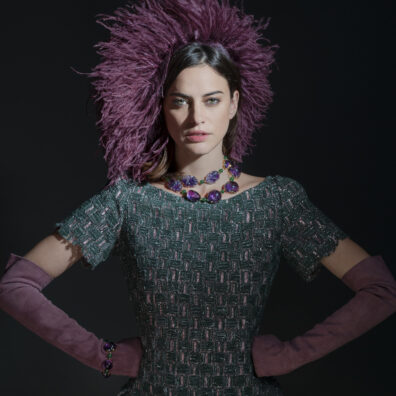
[199,275]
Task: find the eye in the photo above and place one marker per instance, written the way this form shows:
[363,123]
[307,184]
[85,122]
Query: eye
[212,101]
[179,101]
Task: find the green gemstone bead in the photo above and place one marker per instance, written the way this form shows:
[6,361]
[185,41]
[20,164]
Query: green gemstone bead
[222,191]
[220,170]
[109,355]
[183,191]
[201,181]
[232,178]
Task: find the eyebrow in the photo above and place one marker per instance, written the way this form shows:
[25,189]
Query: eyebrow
[188,97]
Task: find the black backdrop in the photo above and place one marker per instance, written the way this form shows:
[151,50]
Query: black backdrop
[329,128]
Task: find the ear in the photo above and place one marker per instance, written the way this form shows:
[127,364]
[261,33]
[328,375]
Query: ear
[234,104]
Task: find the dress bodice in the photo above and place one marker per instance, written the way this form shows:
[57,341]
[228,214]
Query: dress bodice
[199,275]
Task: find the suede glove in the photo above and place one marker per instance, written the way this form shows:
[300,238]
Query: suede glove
[21,298]
[374,301]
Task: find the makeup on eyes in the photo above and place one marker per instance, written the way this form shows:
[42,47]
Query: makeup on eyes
[210,101]
[189,98]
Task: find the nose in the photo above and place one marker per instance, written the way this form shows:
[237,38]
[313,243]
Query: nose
[197,113]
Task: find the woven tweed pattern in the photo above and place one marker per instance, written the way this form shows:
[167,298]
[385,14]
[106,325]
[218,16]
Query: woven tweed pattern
[199,275]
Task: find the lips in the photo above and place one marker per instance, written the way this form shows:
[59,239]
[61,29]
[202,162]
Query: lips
[196,137]
[197,133]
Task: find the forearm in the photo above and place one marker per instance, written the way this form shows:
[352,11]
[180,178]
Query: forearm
[21,298]
[374,301]
[364,311]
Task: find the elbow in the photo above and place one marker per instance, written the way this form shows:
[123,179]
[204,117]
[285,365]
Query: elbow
[386,292]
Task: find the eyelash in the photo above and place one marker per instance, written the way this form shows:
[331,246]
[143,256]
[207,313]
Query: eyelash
[177,101]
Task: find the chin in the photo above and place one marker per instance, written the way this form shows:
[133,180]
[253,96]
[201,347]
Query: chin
[197,148]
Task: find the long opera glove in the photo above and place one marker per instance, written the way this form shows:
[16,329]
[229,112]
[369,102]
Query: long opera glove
[374,301]
[21,297]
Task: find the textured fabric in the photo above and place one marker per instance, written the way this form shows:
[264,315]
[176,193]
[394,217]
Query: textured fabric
[200,275]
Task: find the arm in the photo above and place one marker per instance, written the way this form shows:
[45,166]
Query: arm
[374,301]
[345,257]
[54,255]
[21,297]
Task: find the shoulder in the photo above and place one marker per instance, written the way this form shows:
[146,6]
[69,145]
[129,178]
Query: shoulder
[121,185]
[291,195]
[286,191]
[246,181]
[281,184]
[116,192]
[285,185]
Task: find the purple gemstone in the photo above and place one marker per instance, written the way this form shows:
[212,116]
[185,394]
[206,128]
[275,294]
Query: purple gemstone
[213,196]
[231,187]
[227,163]
[193,196]
[235,171]
[212,177]
[107,364]
[189,181]
[109,346]
[174,185]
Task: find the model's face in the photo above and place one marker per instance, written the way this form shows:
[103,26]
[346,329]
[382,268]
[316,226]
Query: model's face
[199,100]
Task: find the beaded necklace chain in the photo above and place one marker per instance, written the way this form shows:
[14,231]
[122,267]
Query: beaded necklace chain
[213,196]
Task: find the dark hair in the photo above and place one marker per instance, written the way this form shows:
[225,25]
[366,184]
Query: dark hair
[190,55]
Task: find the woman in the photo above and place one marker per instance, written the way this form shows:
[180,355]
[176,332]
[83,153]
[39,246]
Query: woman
[200,241]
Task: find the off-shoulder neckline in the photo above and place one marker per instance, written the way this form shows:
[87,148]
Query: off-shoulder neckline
[244,194]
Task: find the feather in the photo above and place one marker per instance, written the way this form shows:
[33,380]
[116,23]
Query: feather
[129,78]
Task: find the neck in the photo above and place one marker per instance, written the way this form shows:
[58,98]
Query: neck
[199,165]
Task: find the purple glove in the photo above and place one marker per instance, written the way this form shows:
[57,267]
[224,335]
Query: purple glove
[21,297]
[374,301]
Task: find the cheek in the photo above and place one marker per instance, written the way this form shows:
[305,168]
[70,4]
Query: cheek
[171,121]
[174,118]
[223,119]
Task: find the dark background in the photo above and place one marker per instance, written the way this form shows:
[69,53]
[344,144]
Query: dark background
[330,127]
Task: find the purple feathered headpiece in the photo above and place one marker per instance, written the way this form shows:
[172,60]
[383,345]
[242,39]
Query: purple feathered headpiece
[129,79]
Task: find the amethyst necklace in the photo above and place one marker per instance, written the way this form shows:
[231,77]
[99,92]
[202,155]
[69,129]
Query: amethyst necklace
[212,196]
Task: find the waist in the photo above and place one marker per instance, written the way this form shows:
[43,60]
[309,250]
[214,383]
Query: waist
[169,384]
